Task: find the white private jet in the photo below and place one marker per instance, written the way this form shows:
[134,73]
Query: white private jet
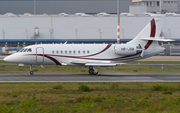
[144,45]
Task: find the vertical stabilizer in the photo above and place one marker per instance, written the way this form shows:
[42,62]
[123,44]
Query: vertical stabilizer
[151,30]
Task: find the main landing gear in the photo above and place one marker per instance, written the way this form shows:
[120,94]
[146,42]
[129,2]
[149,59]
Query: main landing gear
[93,70]
[31,69]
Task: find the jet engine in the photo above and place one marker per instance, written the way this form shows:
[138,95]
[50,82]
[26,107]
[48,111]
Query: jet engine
[125,49]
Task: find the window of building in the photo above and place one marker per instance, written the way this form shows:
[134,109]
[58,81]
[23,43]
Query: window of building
[150,3]
[143,3]
[158,3]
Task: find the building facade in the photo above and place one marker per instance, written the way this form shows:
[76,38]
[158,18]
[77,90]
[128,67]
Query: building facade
[79,27]
[62,6]
[159,6]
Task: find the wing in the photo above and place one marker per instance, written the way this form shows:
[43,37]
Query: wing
[105,64]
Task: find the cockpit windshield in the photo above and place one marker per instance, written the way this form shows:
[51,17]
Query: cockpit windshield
[26,50]
[21,50]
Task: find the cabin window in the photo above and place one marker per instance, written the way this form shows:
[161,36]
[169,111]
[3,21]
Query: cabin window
[65,52]
[79,52]
[74,52]
[57,52]
[29,50]
[69,52]
[61,52]
[83,52]
[52,52]
[87,52]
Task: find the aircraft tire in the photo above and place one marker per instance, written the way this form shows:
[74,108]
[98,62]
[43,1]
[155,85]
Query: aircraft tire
[31,72]
[91,71]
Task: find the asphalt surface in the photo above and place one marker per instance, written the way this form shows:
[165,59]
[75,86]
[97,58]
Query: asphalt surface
[90,78]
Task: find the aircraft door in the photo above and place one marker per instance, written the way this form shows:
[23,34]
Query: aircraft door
[39,55]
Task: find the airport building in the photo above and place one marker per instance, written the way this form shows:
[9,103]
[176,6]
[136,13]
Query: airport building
[63,6]
[159,6]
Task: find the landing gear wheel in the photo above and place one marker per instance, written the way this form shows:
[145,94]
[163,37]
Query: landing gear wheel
[31,72]
[31,69]
[91,71]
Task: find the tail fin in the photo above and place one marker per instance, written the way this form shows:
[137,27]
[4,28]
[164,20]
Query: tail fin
[151,30]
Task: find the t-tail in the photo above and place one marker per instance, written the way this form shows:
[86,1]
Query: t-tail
[151,31]
[148,38]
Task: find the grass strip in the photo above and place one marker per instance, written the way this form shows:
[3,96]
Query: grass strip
[100,97]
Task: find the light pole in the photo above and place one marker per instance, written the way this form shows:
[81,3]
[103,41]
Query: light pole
[118,23]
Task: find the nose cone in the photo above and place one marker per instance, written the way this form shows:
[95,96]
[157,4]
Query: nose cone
[7,59]
[11,58]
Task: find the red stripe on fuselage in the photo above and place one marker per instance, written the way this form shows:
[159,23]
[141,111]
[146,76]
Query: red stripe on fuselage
[107,47]
[47,56]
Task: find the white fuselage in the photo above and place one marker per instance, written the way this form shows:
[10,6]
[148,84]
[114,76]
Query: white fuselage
[69,54]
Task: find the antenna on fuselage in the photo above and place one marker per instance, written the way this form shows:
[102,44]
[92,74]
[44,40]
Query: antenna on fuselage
[66,42]
[118,22]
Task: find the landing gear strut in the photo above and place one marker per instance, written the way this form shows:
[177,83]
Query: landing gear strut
[31,69]
[93,70]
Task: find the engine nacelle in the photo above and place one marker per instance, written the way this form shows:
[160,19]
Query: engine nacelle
[124,49]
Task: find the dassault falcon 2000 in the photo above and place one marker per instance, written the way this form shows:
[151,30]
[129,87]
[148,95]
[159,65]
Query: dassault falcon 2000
[144,45]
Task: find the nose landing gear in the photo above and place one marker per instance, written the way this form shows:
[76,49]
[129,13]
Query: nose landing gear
[93,70]
[31,69]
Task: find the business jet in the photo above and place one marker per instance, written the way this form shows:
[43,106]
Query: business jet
[144,45]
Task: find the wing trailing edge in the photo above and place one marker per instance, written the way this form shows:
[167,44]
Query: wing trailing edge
[98,64]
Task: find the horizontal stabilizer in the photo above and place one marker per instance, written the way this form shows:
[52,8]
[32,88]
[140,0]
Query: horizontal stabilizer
[157,39]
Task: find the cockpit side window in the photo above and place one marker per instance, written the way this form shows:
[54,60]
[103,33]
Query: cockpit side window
[21,50]
[29,50]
